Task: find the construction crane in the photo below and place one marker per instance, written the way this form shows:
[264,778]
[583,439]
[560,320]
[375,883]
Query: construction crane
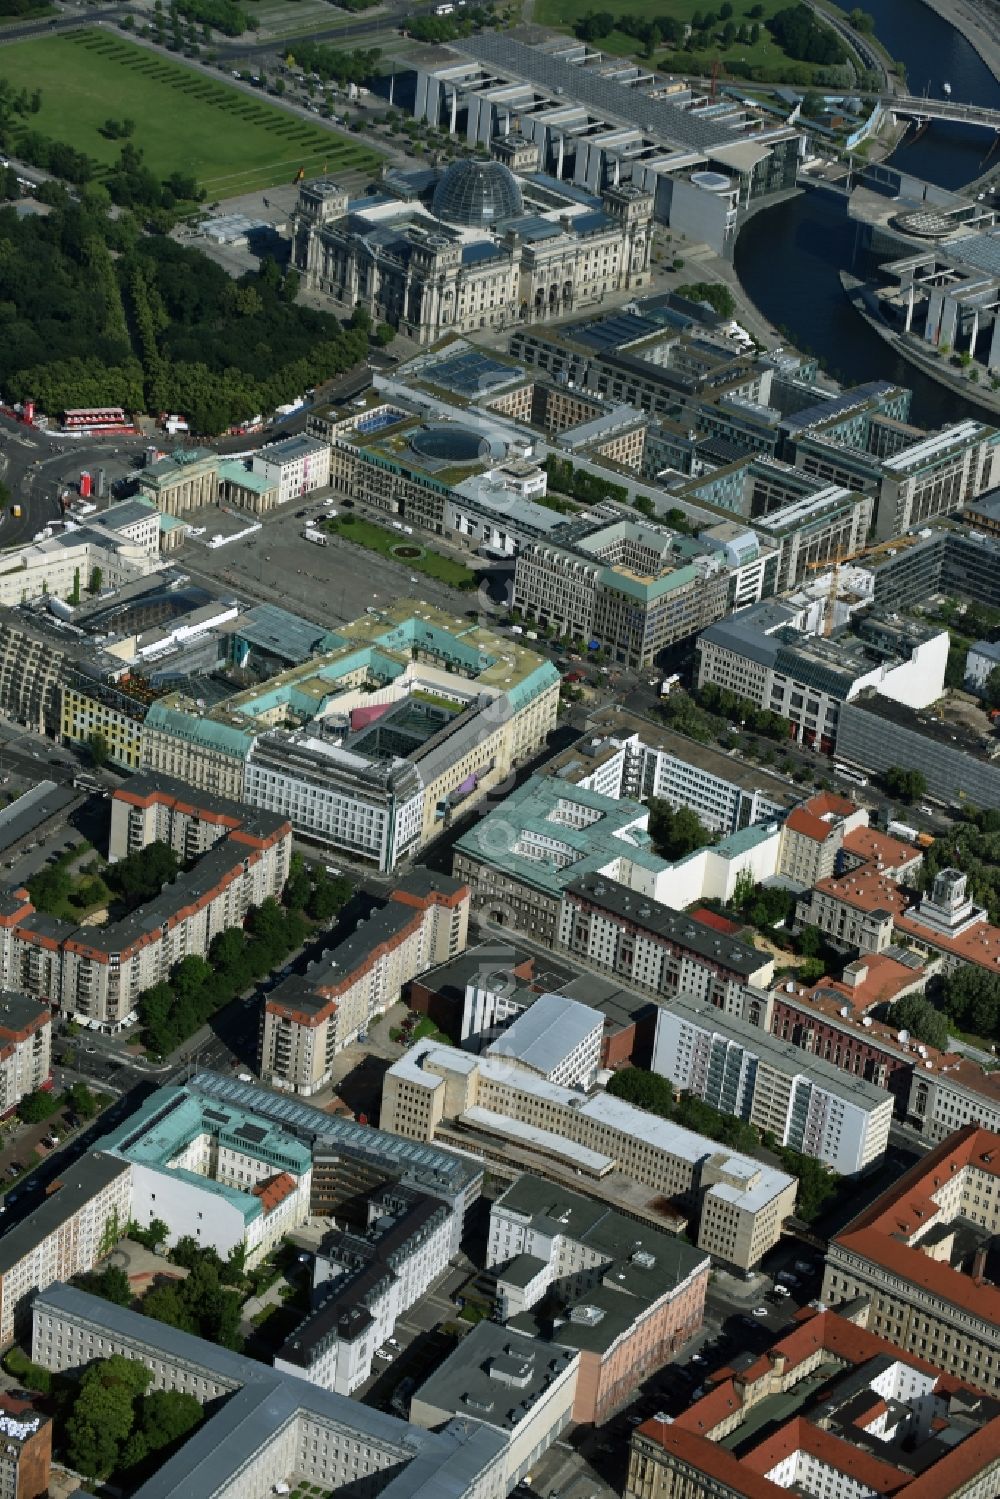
[831,599]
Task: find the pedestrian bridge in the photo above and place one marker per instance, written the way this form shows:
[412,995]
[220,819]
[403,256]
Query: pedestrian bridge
[917,108]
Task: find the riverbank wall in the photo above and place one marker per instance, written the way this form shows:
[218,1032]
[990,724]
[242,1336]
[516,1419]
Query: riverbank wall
[979,22]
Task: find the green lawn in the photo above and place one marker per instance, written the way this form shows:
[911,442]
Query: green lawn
[563,13]
[376,539]
[233,142]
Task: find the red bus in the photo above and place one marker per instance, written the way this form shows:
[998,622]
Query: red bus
[94,419]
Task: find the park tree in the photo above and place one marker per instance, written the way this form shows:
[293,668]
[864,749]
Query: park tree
[646,1090]
[675,833]
[991,689]
[79,1098]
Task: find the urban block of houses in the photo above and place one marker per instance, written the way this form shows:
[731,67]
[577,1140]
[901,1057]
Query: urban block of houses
[506,1112]
[266,1430]
[922,1257]
[830,1408]
[94,974]
[580,1275]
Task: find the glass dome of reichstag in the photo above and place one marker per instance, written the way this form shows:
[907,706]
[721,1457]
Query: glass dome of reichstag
[477,194]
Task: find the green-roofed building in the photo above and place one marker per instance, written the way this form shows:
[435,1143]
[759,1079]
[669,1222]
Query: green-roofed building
[370,737]
[225,1176]
[635,588]
[545,834]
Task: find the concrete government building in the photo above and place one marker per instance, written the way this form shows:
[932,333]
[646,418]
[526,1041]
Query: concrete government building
[490,249]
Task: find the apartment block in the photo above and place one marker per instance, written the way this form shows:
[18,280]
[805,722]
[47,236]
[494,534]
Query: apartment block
[25,1047]
[436,1091]
[266,1431]
[308,1018]
[363,1282]
[221,1175]
[575,1273]
[82,1218]
[854,1415]
[807,1103]
[813,836]
[96,973]
[657,950]
[920,1256]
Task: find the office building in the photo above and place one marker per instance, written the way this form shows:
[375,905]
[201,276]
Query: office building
[96,973]
[635,587]
[489,250]
[556,1038]
[481,1378]
[920,1255]
[266,1431]
[830,1408]
[956,759]
[222,1176]
[520,860]
[482,1104]
[363,1282]
[571,112]
[65,563]
[80,1219]
[309,1018]
[807,1103]
[25,1047]
[762,655]
[866,909]
[295,467]
[351,1160]
[577,1274]
[626,756]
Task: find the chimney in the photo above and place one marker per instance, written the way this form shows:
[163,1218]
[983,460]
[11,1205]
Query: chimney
[979,1263]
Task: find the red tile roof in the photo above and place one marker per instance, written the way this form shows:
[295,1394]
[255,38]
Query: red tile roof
[273,1190]
[881,849]
[800,1435]
[885,979]
[687,1437]
[830,804]
[879,1234]
[868,889]
[809,825]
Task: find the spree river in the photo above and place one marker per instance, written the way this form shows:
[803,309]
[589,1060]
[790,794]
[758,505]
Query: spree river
[788,257]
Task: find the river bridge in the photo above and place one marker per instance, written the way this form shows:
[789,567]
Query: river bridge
[924,110]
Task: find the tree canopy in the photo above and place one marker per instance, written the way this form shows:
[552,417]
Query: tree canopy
[916,1014]
[908,785]
[92,313]
[675,833]
[114,1426]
